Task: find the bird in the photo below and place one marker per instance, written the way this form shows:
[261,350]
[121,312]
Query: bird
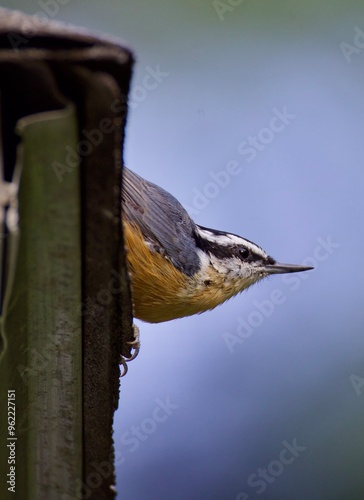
[177,267]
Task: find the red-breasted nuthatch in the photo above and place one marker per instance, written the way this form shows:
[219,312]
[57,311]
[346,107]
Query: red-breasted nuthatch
[177,267]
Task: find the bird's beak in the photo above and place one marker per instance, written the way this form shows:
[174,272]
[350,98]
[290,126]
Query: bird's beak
[279,268]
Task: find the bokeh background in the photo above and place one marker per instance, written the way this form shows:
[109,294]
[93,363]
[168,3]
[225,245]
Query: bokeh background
[212,401]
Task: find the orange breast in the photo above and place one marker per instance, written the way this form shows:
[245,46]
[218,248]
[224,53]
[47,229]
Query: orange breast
[157,285]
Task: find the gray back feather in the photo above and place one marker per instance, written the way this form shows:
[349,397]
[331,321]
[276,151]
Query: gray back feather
[163,221]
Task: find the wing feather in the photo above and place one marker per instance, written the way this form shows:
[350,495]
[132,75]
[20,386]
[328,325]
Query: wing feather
[163,221]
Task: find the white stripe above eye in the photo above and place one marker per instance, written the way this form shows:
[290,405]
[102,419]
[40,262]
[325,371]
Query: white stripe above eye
[228,239]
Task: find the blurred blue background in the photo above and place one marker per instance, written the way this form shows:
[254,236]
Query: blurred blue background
[212,402]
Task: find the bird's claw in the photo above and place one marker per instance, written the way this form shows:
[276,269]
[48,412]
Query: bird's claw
[135,345]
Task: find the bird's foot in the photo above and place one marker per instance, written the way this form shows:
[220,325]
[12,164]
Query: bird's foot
[135,345]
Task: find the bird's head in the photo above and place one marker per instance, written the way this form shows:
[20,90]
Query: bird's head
[234,263]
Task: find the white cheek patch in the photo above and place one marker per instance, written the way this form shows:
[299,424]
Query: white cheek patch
[230,268]
[231,239]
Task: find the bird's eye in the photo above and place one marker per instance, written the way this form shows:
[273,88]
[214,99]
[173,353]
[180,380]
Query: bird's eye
[243,253]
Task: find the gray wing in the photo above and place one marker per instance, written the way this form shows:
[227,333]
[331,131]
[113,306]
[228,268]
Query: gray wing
[163,221]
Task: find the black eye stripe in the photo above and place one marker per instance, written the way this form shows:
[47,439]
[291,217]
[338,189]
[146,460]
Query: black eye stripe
[225,250]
